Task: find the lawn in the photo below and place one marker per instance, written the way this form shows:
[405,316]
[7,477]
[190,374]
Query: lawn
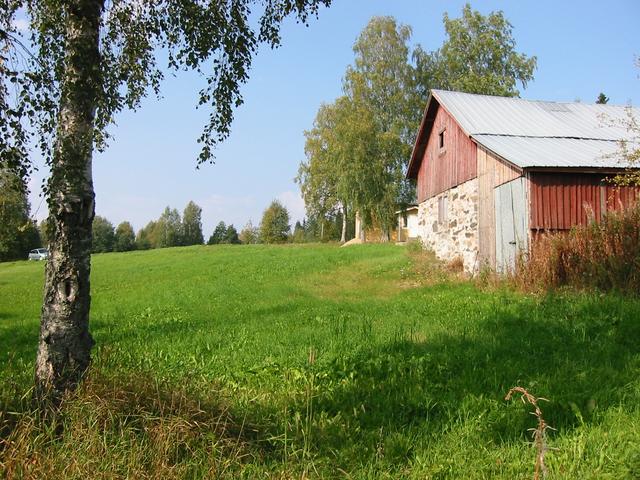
[321,362]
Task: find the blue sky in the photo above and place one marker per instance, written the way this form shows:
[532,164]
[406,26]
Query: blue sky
[583,48]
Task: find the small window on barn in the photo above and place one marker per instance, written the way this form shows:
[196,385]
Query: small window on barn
[442,209]
[441,139]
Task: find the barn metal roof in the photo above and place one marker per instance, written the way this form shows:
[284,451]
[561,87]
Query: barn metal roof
[484,114]
[533,134]
[544,152]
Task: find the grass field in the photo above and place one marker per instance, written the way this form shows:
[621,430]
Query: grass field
[321,362]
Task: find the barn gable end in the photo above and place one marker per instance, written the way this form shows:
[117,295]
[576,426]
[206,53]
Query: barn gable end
[449,158]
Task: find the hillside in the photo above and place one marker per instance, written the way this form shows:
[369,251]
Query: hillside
[321,362]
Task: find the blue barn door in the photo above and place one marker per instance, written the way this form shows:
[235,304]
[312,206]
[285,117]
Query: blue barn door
[512,223]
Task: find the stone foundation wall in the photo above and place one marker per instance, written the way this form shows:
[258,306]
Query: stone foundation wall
[457,235]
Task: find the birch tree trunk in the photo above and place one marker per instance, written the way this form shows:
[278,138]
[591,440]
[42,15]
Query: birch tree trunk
[343,237]
[65,342]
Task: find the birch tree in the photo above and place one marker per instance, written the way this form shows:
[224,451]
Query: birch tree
[192,225]
[478,56]
[380,84]
[325,189]
[62,85]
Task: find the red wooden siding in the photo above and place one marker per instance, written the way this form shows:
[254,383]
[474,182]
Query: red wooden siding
[442,169]
[562,200]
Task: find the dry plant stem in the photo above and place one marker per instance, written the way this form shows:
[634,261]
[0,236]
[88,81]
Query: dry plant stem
[538,433]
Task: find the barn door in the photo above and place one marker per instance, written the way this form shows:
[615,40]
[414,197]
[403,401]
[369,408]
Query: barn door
[512,223]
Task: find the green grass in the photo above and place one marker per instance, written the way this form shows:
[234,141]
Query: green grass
[321,362]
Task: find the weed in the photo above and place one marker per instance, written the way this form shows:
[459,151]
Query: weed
[455,265]
[426,268]
[414,246]
[539,433]
[604,256]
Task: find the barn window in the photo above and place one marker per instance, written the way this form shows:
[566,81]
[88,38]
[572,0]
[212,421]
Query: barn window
[442,209]
[441,139]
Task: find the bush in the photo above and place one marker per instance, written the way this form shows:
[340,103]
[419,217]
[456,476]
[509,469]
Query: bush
[604,255]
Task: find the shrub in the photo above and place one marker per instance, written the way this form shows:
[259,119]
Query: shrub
[604,255]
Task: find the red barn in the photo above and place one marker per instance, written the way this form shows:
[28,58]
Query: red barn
[491,172]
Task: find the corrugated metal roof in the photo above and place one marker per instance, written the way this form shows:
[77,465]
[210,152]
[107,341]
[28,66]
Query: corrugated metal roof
[553,152]
[541,134]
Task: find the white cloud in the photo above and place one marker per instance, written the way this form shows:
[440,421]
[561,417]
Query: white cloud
[294,203]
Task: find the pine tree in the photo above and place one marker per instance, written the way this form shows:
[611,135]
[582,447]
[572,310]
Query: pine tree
[218,234]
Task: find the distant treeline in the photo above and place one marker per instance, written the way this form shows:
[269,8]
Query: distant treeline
[19,233]
[173,230]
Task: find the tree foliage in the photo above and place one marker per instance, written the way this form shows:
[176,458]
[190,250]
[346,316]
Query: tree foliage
[125,238]
[319,177]
[18,233]
[478,56]
[275,227]
[249,234]
[168,229]
[359,145]
[298,233]
[382,118]
[192,225]
[44,230]
[217,39]
[103,235]
[629,152]
[231,235]
[224,234]
[218,234]
[602,99]
[145,238]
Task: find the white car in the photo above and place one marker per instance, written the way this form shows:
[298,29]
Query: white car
[39,254]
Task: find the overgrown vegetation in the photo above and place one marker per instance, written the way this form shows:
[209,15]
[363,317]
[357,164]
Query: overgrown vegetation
[604,256]
[321,362]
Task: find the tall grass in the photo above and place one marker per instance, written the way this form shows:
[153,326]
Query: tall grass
[127,427]
[604,256]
